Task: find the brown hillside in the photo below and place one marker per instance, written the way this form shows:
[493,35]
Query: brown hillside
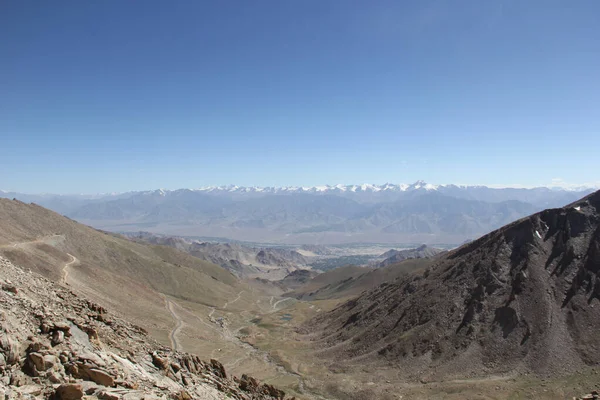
[126,276]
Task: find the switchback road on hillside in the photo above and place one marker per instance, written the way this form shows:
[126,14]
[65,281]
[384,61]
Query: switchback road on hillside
[178,323]
[65,270]
[51,240]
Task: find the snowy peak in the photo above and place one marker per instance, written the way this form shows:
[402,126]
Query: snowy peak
[339,188]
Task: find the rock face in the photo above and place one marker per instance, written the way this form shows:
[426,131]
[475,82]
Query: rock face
[68,391]
[57,345]
[523,298]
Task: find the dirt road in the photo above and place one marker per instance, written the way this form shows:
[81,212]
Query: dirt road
[65,270]
[178,323]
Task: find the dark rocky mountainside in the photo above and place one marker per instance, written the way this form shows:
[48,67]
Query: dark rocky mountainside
[525,297]
[396,256]
[57,345]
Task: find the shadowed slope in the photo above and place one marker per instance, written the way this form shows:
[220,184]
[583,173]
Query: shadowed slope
[522,298]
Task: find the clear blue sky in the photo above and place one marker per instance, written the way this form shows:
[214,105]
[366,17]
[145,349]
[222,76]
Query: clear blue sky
[100,96]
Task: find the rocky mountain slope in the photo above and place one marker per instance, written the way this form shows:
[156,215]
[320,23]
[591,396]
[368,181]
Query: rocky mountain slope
[56,344]
[396,256]
[241,260]
[524,298]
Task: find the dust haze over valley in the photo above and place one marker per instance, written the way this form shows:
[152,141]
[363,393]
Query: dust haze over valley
[278,200]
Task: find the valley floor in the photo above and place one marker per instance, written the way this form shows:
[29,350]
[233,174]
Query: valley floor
[267,344]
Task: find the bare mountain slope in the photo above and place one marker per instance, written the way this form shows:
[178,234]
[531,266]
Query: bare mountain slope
[127,276]
[522,298]
[182,301]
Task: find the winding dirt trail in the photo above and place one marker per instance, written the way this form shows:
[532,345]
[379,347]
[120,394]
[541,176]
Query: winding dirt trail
[50,240]
[178,323]
[233,301]
[280,301]
[65,270]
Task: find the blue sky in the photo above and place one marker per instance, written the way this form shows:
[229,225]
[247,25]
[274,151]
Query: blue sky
[128,95]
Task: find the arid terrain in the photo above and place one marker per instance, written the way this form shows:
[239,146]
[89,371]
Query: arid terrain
[457,325]
[299,200]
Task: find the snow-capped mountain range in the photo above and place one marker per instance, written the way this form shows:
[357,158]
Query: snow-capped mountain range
[339,188]
[407,213]
[367,187]
[371,188]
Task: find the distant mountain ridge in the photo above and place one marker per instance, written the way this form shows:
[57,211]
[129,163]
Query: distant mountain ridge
[367,187]
[390,213]
[242,261]
[338,188]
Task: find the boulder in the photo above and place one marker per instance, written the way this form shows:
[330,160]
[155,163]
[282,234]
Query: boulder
[10,347]
[10,288]
[68,391]
[30,390]
[273,391]
[50,361]
[91,358]
[218,368]
[107,395]
[101,377]
[58,337]
[37,345]
[248,383]
[37,361]
[160,362]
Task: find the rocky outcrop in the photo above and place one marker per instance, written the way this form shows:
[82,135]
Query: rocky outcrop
[54,344]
